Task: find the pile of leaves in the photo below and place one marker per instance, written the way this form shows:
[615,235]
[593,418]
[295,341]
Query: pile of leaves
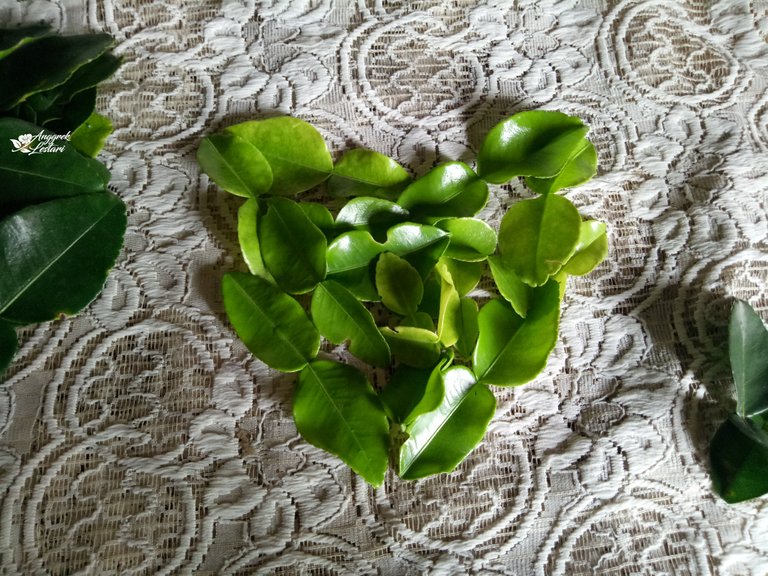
[60,228]
[393,272]
[739,449]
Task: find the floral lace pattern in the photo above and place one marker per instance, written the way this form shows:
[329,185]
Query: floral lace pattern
[140,437]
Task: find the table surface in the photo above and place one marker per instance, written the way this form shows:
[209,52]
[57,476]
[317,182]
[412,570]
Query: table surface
[140,437]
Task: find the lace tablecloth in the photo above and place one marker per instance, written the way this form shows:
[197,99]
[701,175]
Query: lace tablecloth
[140,437]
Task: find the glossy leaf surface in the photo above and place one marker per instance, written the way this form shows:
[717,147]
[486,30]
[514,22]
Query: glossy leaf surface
[412,392]
[235,165]
[362,172]
[537,236]
[739,459]
[440,439]
[514,290]
[748,351]
[90,136]
[512,350]
[248,237]
[335,408]
[55,256]
[413,346]
[272,325]
[339,317]
[578,170]
[449,315]
[421,245]
[320,216]
[591,249]
[352,251]
[13,38]
[468,327]
[292,247]
[29,178]
[8,345]
[536,143]
[399,284]
[279,139]
[472,240]
[373,214]
[450,189]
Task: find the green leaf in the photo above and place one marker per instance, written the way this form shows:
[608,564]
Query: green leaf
[512,350]
[248,236]
[536,143]
[439,440]
[465,275]
[362,172]
[45,63]
[472,240]
[421,245]
[414,346]
[514,290]
[537,236]
[337,410]
[450,189]
[8,345]
[272,325]
[350,262]
[449,316]
[339,316]
[578,170]
[292,247]
[55,256]
[739,458]
[13,38]
[320,216]
[69,116]
[28,178]
[748,350]
[90,136]
[468,327]
[373,214]
[235,165]
[591,249]
[295,150]
[412,392]
[399,284]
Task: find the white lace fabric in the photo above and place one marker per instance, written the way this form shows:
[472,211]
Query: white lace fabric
[140,437]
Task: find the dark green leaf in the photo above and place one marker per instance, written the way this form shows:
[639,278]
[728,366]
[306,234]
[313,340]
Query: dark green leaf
[739,461]
[55,256]
[514,290]
[450,189]
[90,136]
[340,317]
[295,150]
[538,236]
[292,247]
[8,345]
[412,392]
[363,172]
[748,350]
[472,240]
[69,117]
[591,249]
[416,347]
[421,245]
[235,164]
[399,284]
[336,409]
[512,350]
[248,236]
[536,143]
[272,325]
[45,63]
[579,169]
[439,440]
[13,38]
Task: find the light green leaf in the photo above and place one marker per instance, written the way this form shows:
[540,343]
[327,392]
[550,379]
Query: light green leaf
[537,236]
[514,290]
[90,136]
[578,170]
[739,459]
[295,150]
[55,256]
[591,249]
[421,245]
[8,345]
[416,347]
[449,317]
[247,235]
[340,316]
[336,409]
[272,325]
[512,350]
[235,164]
[748,350]
[292,247]
[362,172]
[373,214]
[536,143]
[320,216]
[465,275]
[472,240]
[399,284]
[350,262]
[468,327]
[412,392]
[439,440]
[450,189]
